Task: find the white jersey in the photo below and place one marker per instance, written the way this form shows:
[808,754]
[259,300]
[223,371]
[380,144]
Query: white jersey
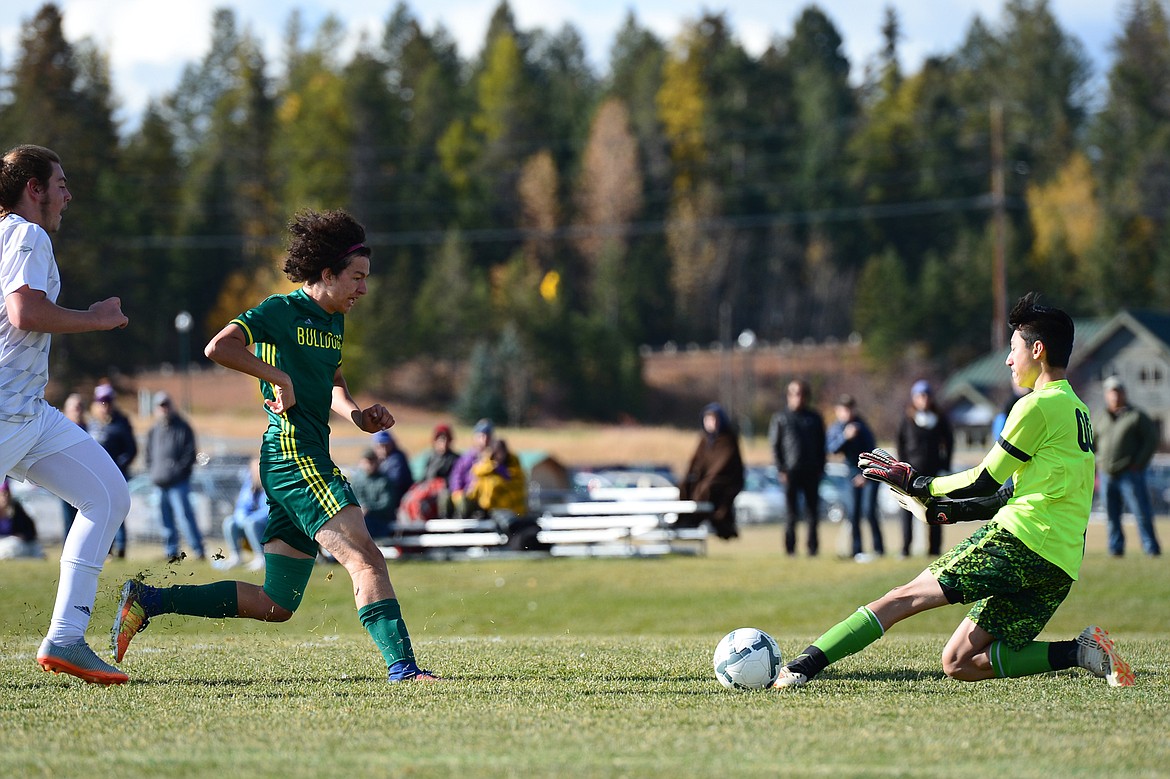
[26,257]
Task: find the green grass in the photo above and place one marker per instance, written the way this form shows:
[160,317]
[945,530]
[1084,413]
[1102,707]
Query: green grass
[579,668]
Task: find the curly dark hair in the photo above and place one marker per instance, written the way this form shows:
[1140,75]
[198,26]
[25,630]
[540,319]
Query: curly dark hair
[20,165]
[1047,324]
[321,240]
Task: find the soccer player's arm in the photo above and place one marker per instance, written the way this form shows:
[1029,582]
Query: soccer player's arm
[25,279]
[31,310]
[947,511]
[371,420]
[230,347]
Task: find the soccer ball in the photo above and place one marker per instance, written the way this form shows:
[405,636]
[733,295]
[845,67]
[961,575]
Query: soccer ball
[747,659]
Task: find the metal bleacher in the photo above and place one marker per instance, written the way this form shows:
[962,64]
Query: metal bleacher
[617,523]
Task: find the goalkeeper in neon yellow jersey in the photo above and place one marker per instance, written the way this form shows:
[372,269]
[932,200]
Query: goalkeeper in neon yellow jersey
[1035,486]
[292,344]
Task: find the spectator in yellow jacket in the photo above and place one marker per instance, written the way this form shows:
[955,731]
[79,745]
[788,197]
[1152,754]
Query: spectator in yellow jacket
[498,482]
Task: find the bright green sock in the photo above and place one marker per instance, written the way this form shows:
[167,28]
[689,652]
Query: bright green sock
[850,636]
[217,599]
[383,621]
[1032,659]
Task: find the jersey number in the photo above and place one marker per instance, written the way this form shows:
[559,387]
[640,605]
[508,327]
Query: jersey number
[1084,432]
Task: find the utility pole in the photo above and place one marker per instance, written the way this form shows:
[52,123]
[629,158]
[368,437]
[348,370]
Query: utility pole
[999,226]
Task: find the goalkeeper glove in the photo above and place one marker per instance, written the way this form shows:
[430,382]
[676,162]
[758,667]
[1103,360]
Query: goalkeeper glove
[880,465]
[930,511]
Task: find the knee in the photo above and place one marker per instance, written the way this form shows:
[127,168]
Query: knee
[952,665]
[119,501]
[269,610]
[366,562]
[960,666]
[276,613]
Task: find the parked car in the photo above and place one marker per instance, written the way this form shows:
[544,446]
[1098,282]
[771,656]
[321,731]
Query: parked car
[587,482]
[762,498]
[215,483]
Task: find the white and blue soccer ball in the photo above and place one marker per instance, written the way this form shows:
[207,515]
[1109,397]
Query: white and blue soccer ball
[747,659]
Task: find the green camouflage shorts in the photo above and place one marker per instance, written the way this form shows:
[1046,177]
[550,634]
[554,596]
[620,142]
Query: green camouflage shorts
[1015,590]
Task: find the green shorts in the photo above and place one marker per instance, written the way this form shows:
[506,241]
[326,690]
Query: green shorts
[304,492]
[1015,590]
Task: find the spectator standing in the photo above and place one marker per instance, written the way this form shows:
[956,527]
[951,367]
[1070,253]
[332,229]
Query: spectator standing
[926,441]
[74,410]
[372,488]
[112,429]
[460,478]
[1126,439]
[170,458]
[37,442]
[849,436]
[248,520]
[797,437]
[18,532]
[715,472]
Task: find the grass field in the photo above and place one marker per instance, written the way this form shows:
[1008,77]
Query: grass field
[562,667]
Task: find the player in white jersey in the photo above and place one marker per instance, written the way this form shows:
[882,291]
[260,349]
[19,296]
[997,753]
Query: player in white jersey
[37,442]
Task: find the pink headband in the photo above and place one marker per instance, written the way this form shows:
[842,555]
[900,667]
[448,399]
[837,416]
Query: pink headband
[354,248]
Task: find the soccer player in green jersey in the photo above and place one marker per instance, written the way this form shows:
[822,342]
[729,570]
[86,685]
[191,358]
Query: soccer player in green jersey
[292,344]
[1035,486]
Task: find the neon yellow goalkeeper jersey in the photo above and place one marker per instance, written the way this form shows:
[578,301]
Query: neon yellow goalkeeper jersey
[296,335]
[1047,449]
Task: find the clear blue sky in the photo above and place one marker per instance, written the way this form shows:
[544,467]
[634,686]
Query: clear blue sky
[149,41]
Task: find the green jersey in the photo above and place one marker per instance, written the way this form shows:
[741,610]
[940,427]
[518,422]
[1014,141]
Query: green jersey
[1046,448]
[296,335]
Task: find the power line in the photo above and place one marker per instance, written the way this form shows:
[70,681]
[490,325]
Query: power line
[570,233]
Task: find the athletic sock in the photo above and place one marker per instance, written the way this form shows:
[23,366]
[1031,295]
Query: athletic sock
[74,604]
[1062,655]
[1035,658]
[217,599]
[851,635]
[383,621]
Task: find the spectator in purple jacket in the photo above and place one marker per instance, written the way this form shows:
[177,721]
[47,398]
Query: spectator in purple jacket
[460,478]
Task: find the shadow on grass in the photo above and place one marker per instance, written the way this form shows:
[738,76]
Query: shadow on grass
[887,675]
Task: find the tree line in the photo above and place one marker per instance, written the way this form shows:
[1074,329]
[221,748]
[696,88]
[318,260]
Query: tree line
[534,222]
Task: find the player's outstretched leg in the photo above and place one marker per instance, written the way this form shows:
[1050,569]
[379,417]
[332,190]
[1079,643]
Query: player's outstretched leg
[851,635]
[80,661]
[1098,655]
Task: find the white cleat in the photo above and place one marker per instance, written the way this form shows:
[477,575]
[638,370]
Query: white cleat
[788,679]
[1098,655]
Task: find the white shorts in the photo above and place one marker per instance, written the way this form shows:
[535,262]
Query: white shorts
[22,444]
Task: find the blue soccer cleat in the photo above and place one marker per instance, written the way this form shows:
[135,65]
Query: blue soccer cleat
[408,671]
